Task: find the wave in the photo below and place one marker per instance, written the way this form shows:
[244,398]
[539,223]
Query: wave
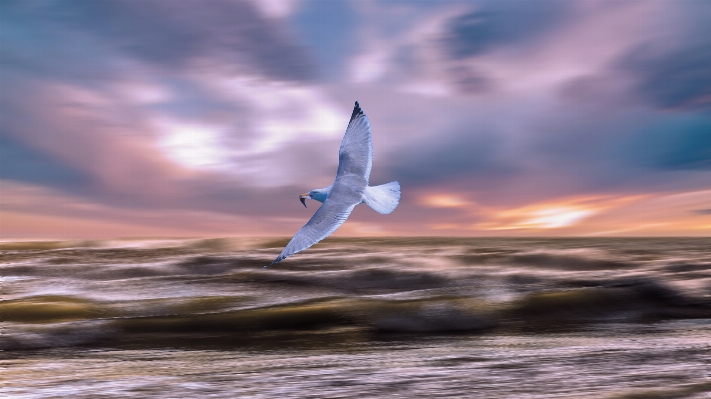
[199,291]
[544,260]
[45,321]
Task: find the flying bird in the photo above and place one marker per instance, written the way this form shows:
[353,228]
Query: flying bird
[351,188]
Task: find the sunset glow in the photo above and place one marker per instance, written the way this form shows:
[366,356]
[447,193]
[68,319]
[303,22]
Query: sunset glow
[497,118]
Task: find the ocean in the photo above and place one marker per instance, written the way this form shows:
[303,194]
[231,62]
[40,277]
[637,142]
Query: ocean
[357,318]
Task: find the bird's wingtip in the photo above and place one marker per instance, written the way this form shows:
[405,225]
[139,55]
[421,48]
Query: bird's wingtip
[277,260]
[356,110]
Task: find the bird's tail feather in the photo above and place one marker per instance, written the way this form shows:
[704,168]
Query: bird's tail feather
[383,198]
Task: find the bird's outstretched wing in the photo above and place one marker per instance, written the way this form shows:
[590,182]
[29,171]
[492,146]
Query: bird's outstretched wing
[356,154]
[322,224]
[354,162]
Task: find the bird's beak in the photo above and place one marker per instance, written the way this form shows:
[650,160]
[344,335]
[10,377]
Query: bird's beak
[303,197]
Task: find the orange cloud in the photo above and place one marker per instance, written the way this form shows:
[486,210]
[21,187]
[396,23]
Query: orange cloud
[552,214]
[660,215]
[444,201]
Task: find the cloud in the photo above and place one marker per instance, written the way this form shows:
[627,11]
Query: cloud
[21,163]
[162,98]
[453,156]
[443,200]
[327,28]
[680,142]
[229,109]
[215,34]
[671,66]
[499,23]
[678,78]
[85,131]
[560,213]
[660,214]
[36,212]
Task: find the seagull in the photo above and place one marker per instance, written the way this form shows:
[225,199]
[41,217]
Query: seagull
[351,188]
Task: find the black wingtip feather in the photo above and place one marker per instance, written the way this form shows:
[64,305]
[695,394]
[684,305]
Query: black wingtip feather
[277,260]
[356,111]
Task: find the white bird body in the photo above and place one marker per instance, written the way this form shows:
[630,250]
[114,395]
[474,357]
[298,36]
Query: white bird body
[383,199]
[355,159]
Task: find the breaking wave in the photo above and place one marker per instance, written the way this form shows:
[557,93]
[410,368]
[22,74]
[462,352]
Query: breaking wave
[216,291]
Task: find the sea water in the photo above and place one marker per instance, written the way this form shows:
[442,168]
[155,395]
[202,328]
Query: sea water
[357,318]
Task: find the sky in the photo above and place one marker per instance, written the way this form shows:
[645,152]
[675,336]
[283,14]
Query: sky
[207,118]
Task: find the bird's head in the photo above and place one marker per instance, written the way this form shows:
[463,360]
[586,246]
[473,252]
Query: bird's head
[318,194]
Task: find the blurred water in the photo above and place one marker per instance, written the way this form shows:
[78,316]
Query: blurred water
[353,318]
